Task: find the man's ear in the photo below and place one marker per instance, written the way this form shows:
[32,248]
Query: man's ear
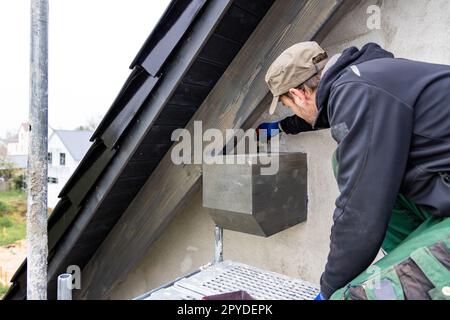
[298,93]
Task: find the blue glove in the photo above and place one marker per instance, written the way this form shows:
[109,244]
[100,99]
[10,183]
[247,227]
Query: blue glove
[268,129]
[320,297]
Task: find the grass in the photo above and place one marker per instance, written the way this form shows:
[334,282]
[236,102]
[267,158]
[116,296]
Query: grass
[13,201]
[12,195]
[12,216]
[4,208]
[12,228]
[3,290]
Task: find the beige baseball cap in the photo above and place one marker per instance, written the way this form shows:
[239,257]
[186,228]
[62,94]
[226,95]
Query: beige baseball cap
[293,67]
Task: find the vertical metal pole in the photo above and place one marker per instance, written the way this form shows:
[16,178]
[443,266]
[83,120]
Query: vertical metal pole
[37,244]
[218,254]
[65,287]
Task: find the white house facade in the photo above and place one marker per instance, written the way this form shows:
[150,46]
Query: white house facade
[18,145]
[66,148]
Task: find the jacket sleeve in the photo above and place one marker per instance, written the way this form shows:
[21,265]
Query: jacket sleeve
[373,130]
[294,124]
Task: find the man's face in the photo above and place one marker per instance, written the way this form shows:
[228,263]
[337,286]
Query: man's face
[302,102]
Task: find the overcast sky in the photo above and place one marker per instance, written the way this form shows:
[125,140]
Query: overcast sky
[91,45]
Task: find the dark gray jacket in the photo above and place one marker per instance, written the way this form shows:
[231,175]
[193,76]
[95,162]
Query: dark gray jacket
[391,120]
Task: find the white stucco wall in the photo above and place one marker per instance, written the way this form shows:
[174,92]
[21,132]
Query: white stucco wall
[415,29]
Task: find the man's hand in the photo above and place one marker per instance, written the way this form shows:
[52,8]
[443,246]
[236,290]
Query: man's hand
[268,130]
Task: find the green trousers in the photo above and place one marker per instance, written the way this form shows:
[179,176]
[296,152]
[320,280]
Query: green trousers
[407,219]
[417,264]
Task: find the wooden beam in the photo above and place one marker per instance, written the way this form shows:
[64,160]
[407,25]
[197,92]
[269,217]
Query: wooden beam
[233,100]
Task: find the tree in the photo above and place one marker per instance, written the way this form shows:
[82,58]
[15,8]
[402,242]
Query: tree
[7,169]
[90,125]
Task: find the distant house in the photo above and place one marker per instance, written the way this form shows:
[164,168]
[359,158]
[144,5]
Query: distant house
[19,161]
[3,148]
[65,150]
[18,145]
[15,154]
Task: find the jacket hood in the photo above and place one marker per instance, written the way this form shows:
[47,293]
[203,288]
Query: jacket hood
[349,57]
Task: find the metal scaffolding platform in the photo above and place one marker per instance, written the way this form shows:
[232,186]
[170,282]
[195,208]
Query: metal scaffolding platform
[231,276]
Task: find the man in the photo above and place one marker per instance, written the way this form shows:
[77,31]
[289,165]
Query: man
[391,120]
